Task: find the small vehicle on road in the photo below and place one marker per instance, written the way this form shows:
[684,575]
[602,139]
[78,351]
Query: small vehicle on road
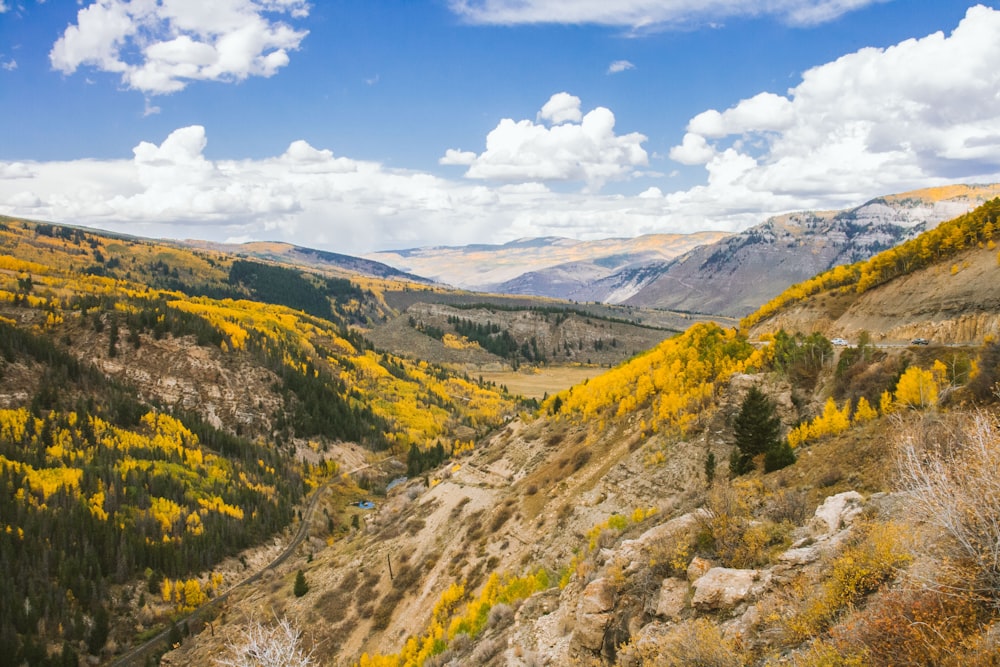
[839,341]
[919,341]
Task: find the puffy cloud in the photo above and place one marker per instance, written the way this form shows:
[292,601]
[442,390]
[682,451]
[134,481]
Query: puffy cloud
[159,47]
[309,196]
[647,13]
[15,170]
[693,150]
[455,157]
[619,66]
[9,65]
[921,112]
[561,108]
[574,147]
[763,112]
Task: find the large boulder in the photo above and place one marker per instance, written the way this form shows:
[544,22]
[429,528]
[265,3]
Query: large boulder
[836,513]
[597,597]
[673,598]
[723,588]
[593,613]
[631,551]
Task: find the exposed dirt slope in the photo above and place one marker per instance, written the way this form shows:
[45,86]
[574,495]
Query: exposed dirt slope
[524,499]
[953,303]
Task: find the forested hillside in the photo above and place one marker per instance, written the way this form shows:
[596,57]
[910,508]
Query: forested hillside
[164,409]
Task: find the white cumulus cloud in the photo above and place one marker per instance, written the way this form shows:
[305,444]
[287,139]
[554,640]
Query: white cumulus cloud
[918,113]
[561,108]
[648,13]
[308,196]
[160,47]
[923,112]
[572,147]
[15,170]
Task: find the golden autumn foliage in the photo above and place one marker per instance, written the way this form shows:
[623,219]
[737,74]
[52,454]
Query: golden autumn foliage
[917,388]
[863,412]
[142,489]
[833,420]
[674,381]
[55,270]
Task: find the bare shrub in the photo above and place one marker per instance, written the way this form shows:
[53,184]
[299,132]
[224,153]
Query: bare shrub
[501,615]
[382,615]
[500,518]
[456,511]
[331,602]
[441,659]
[564,513]
[461,643]
[349,582]
[789,505]
[952,478]
[698,642]
[485,651]
[580,459]
[262,645]
[414,526]
[910,627]
[829,478]
[531,659]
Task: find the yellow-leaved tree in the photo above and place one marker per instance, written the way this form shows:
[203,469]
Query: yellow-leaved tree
[864,412]
[917,388]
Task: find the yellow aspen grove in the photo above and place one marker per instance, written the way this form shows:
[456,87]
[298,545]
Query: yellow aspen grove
[917,388]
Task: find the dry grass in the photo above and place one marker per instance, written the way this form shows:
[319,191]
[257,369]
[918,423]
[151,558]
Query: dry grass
[544,381]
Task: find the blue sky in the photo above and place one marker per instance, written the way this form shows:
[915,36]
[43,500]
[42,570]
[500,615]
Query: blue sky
[366,125]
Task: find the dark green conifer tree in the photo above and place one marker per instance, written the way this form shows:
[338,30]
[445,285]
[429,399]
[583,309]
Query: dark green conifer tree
[756,429]
[301,587]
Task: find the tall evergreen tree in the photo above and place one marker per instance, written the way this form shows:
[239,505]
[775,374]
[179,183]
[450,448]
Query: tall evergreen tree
[756,428]
[300,587]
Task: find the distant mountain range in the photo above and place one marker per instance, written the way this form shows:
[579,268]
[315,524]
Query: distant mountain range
[287,253]
[706,272]
[547,266]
